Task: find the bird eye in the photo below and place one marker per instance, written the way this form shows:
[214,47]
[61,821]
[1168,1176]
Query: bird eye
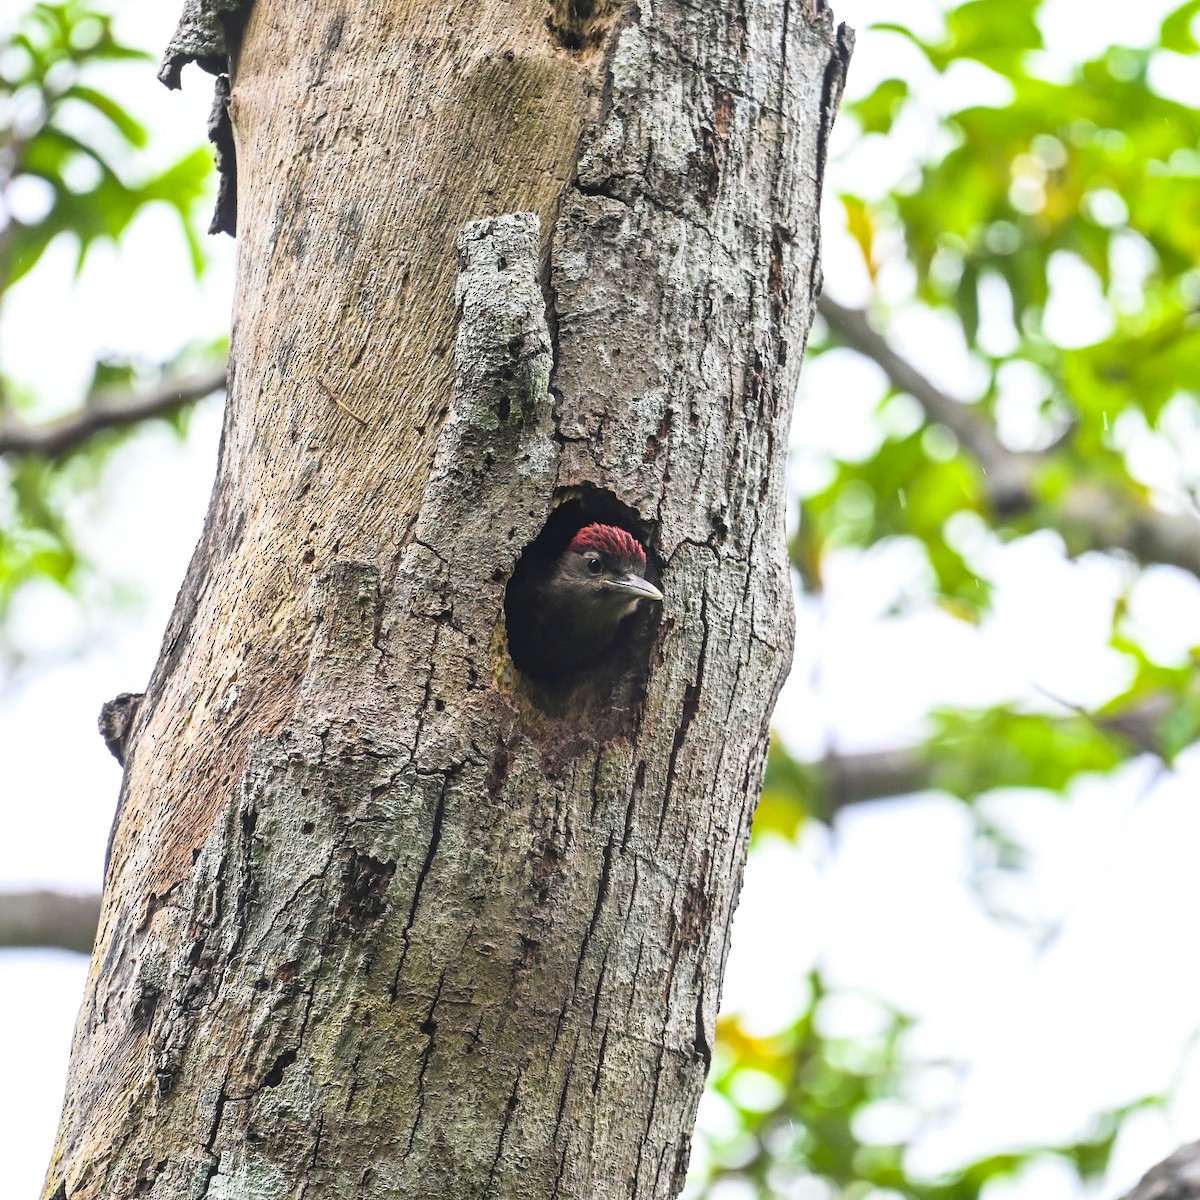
[593,564]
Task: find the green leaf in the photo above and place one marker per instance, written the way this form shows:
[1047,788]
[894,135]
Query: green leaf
[975,752]
[994,32]
[130,129]
[1177,31]
[876,112]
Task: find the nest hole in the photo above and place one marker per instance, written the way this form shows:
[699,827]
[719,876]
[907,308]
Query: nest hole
[615,678]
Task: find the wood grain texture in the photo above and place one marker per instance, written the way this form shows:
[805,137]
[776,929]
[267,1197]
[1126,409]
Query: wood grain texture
[383,917]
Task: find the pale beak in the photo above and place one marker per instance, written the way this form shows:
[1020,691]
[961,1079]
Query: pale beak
[635,587]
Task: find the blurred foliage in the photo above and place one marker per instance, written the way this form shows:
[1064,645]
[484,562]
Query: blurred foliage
[1098,173]
[74,165]
[813,1112]
[57,131]
[1071,188]
[1078,191]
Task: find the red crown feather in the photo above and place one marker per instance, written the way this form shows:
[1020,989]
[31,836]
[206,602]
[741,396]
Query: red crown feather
[609,539]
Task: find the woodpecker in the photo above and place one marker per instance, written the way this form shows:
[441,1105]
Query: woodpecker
[563,613]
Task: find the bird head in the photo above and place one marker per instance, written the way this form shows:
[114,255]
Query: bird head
[603,572]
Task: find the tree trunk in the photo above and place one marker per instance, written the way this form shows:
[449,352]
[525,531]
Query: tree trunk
[383,918]
[1177,1177]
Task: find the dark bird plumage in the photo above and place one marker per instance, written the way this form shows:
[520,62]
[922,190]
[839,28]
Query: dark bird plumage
[563,613]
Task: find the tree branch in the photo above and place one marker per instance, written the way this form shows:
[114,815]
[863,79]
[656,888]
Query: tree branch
[48,919]
[1090,515]
[1009,474]
[842,780]
[107,411]
[846,779]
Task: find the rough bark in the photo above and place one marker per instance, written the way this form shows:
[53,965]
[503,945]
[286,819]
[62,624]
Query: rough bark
[383,918]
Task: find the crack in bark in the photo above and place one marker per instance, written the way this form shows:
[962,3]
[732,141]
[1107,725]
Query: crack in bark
[600,1060]
[352,1090]
[509,1108]
[597,762]
[688,928]
[559,1024]
[435,838]
[636,792]
[644,1140]
[214,1129]
[566,1090]
[601,893]
[561,1175]
[424,706]
[599,987]
[312,1162]
[691,705]
[429,1028]
[635,975]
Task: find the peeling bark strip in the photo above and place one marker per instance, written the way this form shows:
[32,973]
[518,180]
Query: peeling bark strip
[207,35]
[384,918]
[116,721]
[202,37]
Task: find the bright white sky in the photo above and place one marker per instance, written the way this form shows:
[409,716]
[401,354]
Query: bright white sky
[1095,1015]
